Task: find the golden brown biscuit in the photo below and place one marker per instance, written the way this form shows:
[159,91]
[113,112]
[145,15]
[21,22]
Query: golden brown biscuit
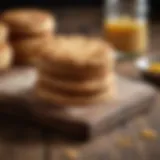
[26,50]
[58,99]
[77,52]
[29,21]
[30,45]
[6,56]
[76,57]
[76,73]
[88,87]
[71,76]
[4,31]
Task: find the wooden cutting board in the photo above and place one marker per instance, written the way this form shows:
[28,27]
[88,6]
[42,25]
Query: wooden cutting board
[133,98]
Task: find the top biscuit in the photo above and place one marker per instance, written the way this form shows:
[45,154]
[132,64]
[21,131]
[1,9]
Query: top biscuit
[29,21]
[77,51]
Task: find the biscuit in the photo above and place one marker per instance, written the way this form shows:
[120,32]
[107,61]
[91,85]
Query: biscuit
[76,56]
[58,99]
[25,59]
[87,87]
[77,52]
[4,32]
[29,21]
[69,75]
[18,37]
[6,56]
[30,45]
[26,49]
[74,74]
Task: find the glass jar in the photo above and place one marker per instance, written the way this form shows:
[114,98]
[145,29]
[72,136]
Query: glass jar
[126,25]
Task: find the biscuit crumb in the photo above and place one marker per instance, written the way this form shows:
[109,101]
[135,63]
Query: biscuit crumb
[149,134]
[71,154]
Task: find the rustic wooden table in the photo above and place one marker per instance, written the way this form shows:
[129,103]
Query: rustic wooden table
[139,139]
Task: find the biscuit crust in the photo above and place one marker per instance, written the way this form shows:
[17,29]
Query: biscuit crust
[85,88]
[26,50]
[58,99]
[29,21]
[76,57]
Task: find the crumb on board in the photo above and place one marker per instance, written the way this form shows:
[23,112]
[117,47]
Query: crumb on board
[149,134]
[71,154]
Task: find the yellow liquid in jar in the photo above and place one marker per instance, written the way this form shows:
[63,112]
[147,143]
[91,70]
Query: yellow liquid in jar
[127,35]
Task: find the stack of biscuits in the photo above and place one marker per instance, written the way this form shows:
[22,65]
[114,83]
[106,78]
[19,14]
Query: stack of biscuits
[6,53]
[75,70]
[28,29]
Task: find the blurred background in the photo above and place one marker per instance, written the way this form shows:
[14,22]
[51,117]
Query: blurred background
[90,12]
[154,4]
[86,17]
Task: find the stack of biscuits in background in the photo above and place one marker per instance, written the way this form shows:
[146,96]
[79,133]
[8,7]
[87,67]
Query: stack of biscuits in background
[76,70]
[29,28]
[6,52]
